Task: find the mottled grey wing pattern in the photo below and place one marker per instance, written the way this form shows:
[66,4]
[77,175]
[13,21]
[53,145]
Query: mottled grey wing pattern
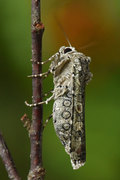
[62,114]
[69,105]
[78,143]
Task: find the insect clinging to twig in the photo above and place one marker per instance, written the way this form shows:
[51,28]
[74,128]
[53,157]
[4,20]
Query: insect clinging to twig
[71,73]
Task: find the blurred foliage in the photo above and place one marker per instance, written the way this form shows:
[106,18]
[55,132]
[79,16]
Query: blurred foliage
[85,22]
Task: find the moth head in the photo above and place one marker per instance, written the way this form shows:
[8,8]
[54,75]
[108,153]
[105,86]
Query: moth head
[65,50]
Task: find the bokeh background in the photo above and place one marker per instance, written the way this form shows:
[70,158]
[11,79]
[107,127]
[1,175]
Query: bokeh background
[93,27]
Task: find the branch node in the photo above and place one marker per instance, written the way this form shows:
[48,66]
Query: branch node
[36,174]
[38,27]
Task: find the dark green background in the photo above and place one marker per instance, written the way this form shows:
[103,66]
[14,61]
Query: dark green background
[89,21]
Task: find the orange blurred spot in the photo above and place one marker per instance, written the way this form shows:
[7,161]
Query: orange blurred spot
[78,23]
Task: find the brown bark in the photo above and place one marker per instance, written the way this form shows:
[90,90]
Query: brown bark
[36,170]
[7,160]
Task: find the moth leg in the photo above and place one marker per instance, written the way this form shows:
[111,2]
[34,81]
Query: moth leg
[39,103]
[55,56]
[44,62]
[45,74]
[47,120]
[58,67]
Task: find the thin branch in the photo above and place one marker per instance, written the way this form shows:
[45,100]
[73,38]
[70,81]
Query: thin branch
[7,160]
[36,170]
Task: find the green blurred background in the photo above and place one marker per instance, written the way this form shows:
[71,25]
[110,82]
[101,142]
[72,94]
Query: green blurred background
[94,24]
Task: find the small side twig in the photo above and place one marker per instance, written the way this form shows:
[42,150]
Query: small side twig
[26,122]
[7,160]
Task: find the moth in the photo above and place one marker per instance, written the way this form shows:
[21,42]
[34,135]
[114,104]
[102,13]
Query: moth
[71,73]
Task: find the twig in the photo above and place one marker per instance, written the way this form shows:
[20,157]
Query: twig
[26,122]
[36,170]
[7,160]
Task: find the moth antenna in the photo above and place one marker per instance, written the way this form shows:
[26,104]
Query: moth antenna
[61,27]
[67,39]
[87,45]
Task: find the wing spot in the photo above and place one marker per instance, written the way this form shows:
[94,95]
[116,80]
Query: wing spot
[66,126]
[67,103]
[79,108]
[66,114]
